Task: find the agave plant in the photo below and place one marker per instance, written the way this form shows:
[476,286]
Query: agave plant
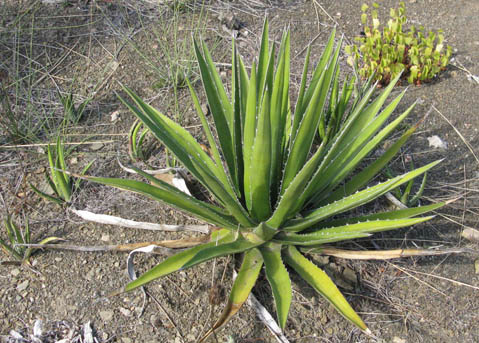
[60,182]
[279,190]
[18,236]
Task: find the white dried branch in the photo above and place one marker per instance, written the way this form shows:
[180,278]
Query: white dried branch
[153,172]
[113,220]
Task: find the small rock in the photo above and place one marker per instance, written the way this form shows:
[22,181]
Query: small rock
[15,272]
[126,340]
[350,275]
[106,316]
[177,339]
[470,234]
[190,337]
[398,340]
[115,115]
[46,188]
[58,259]
[322,260]
[23,286]
[125,312]
[74,160]
[105,238]
[436,142]
[40,170]
[96,146]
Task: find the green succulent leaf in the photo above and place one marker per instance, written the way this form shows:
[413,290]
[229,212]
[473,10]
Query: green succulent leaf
[348,231]
[321,282]
[172,196]
[278,279]
[177,261]
[246,279]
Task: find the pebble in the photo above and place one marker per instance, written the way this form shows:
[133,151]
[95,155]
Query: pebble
[398,340]
[125,312]
[126,340]
[106,316]
[96,146]
[15,272]
[105,238]
[350,275]
[23,286]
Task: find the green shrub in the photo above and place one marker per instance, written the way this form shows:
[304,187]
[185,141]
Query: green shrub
[386,54]
[277,192]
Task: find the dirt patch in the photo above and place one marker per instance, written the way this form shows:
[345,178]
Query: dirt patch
[97,43]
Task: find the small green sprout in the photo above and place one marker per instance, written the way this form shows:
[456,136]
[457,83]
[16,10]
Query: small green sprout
[405,196]
[73,114]
[386,54]
[138,147]
[18,236]
[60,182]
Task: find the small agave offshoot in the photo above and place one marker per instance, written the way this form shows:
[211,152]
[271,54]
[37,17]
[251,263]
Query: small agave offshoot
[279,190]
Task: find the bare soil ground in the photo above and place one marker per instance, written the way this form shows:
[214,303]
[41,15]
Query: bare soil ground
[48,47]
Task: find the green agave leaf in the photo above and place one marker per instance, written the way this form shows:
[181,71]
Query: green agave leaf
[47,196]
[354,200]
[263,61]
[30,251]
[11,228]
[238,121]
[260,165]
[61,159]
[179,141]
[278,115]
[302,89]
[321,282]
[246,279]
[83,172]
[172,197]
[336,172]
[231,202]
[249,135]
[51,184]
[318,71]
[279,280]
[416,197]
[58,177]
[344,232]
[220,106]
[239,245]
[177,261]
[208,133]
[308,126]
[132,138]
[288,204]
[397,214]
[349,140]
[362,178]
[9,250]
